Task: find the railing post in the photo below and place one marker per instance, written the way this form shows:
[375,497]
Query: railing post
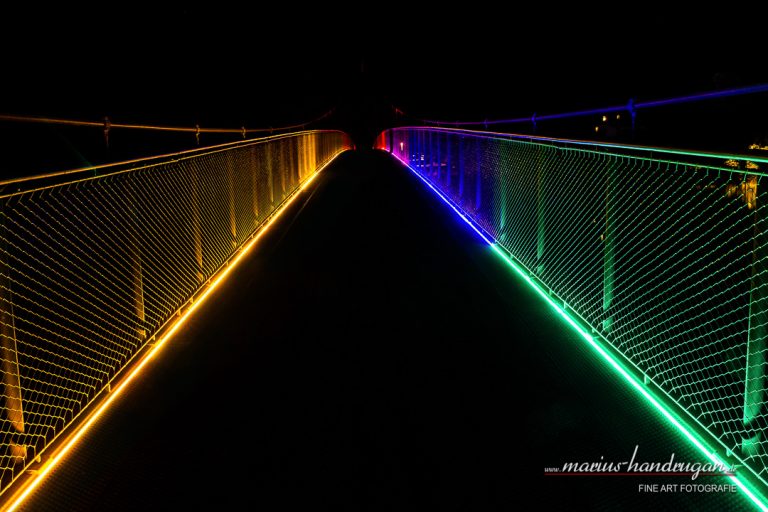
[196,230]
[254,186]
[608,246]
[231,200]
[137,274]
[437,153]
[460,151]
[14,410]
[540,210]
[285,160]
[429,156]
[447,152]
[757,335]
[421,157]
[138,292]
[270,178]
[501,199]
[478,178]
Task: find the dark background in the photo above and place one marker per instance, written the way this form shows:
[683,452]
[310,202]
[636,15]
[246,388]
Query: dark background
[227,67]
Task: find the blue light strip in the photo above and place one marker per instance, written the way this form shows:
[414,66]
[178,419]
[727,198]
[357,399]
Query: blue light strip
[477,229]
[675,420]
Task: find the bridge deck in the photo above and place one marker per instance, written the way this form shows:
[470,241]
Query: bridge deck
[389,360]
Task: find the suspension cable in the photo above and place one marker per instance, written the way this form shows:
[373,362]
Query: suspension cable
[631,106]
[164,128]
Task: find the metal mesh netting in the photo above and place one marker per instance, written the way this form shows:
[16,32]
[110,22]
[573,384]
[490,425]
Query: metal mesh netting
[664,254]
[94,263]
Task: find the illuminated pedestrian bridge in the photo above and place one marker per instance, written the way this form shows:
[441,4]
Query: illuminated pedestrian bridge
[219,325]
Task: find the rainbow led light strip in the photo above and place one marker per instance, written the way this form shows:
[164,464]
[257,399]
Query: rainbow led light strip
[597,344]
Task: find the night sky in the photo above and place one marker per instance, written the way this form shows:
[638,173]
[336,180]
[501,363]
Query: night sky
[228,67]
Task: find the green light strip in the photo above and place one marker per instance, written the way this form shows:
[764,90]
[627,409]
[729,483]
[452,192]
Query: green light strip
[666,262]
[657,256]
[617,365]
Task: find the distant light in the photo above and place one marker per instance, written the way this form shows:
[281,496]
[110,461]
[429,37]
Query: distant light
[618,116]
[597,129]
[605,118]
[401,145]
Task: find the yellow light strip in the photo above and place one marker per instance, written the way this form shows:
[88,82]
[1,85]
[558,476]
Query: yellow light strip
[24,492]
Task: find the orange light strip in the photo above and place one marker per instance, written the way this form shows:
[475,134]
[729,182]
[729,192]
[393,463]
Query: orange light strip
[24,492]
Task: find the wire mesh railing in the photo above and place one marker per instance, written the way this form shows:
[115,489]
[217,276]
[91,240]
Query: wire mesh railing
[662,253]
[95,263]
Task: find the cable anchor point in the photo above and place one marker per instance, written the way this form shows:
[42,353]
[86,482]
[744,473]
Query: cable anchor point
[107,126]
[632,113]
